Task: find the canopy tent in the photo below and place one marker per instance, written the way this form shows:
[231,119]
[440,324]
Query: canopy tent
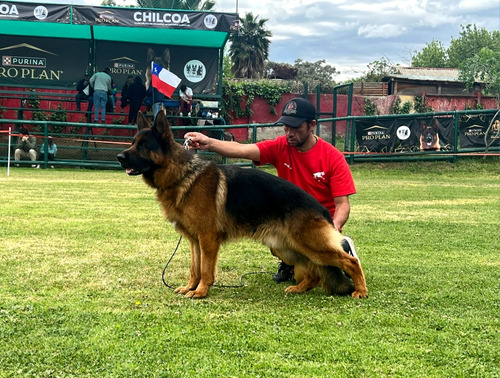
[177,37]
[53,45]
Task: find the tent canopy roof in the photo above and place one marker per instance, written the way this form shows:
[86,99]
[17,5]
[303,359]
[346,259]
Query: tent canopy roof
[179,37]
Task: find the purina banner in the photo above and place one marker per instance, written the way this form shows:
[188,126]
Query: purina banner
[473,128]
[35,12]
[156,18]
[39,61]
[405,135]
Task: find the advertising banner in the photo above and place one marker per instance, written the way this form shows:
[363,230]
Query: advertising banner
[33,61]
[197,67]
[35,12]
[473,128]
[156,18]
[405,135]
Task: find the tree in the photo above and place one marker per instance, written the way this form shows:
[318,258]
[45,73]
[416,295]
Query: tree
[483,67]
[226,66]
[470,42]
[316,73]
[432,55]
[250,47]
[377,70]
[283,71]
[178,4]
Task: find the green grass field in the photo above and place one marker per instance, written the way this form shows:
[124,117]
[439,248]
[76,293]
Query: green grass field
[82,254]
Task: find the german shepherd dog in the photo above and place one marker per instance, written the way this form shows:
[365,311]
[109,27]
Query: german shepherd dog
[429,138]
[210,204]
[163,61]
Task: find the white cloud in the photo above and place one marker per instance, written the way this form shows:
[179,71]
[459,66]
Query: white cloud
[476,5]
[382,31]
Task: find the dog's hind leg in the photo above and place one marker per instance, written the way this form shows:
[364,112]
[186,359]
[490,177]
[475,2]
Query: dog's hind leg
[323,247]
[195,270]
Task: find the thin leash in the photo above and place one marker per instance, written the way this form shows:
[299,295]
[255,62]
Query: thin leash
[241,284]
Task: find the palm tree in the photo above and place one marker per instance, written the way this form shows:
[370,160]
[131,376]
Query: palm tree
[205,5]
[250,47]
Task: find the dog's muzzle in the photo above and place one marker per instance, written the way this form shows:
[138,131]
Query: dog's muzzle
[123,162]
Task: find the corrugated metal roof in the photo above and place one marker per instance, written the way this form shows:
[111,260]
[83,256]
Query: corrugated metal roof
[427,74]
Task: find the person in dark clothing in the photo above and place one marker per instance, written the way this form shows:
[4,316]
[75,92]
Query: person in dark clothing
[135,94]
[81,95]
[128,83]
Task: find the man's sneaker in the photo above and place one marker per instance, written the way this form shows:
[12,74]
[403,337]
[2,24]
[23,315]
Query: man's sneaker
[348,246]
[284,274]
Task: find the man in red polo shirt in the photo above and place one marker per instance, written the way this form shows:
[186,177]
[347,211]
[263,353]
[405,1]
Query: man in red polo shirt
[300,157]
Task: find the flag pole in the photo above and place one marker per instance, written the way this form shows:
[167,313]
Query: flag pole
[152,91]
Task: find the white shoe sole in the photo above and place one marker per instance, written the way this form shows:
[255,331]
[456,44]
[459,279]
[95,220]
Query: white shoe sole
[352,250]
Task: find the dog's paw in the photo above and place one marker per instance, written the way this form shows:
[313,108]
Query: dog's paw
[294,289]
[196,294]
[182,290]
[358,294]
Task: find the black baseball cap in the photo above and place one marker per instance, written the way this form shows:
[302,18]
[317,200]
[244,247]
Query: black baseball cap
[296,111]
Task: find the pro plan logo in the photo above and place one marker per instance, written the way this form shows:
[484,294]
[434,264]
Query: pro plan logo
[376,133]
[107,17]
[195,71]
[23,61]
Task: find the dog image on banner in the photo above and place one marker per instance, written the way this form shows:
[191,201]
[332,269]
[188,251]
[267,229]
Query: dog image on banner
[429,138]
[210,204]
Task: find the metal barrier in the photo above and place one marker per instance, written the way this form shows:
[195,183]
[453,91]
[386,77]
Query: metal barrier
[82,144]
[96,146]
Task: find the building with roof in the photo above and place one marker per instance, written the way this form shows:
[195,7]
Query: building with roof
[415,81]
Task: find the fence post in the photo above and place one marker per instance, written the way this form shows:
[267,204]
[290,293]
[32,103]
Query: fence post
[455,137]
[353,136]
[45,145]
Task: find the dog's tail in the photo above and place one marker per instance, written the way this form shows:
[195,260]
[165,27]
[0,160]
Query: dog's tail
[335,282]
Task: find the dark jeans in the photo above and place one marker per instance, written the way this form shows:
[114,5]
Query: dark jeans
[81,97]
[51,157]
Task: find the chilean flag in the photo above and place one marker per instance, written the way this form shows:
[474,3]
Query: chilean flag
[163,80]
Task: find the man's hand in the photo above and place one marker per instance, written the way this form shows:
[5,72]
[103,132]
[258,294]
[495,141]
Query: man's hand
[196,141]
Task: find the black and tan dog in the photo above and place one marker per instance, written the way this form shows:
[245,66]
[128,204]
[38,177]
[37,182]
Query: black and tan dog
[429,137]
[210,204]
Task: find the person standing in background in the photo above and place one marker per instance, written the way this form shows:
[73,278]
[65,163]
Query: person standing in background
[101,82]
[124,98]
[135,93]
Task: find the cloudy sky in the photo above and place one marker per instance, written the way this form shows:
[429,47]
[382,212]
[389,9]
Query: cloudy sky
[349,34]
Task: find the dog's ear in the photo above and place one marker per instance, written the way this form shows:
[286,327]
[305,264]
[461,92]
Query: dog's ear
[142,122]
[162,126]
[150,55]
[435,124]
[166,58]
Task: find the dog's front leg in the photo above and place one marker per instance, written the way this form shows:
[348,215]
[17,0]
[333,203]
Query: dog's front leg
[209,249]
[195,277]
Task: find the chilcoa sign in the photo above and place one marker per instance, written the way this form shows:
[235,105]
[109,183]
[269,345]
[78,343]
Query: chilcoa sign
[156,18]
[35,12]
